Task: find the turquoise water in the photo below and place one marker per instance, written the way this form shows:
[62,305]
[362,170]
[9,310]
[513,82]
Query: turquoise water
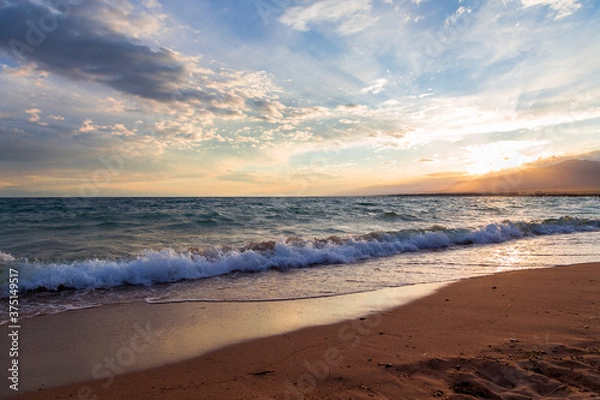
[74,253]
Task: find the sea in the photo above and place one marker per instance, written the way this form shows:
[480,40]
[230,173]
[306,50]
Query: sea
[74,253]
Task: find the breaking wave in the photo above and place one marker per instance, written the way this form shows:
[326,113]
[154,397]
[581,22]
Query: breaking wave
[152,266]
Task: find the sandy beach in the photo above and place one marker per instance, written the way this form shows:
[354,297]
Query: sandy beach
[299,199]
[516,335]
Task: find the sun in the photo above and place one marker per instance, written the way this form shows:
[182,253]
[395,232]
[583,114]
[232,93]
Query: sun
[485,158]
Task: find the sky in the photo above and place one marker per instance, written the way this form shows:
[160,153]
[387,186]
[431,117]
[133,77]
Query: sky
[288,97]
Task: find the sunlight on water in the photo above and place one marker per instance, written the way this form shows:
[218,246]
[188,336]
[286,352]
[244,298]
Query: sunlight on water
[512,256]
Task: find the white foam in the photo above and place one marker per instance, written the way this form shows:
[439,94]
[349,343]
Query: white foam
[167,265]
[5,257]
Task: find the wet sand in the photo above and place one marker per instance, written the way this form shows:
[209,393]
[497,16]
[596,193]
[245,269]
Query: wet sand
[101,343]
[517,335]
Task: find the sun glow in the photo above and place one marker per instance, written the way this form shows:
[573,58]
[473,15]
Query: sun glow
[484,158]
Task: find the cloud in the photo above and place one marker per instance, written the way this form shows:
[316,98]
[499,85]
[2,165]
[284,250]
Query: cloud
[258,177]
[349,16]
[33,144]
[83,47]
[296,114]
[561,8]
[144,21]
[34,114]
[377,87]
[270,111]
[4,185]
[456,18]
[121,130]
[89,126]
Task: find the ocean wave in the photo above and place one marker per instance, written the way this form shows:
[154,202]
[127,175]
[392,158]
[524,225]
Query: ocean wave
[393,216]
[4,257]
[162,266]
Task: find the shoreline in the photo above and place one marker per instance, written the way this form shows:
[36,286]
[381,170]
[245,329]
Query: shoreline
[114,339]
[491,335]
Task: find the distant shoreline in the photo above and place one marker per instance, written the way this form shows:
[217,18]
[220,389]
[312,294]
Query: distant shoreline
[435,194]
[492,194]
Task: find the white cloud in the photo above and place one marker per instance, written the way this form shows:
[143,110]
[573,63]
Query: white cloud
[458,15]
[142,21]
[350,16]
[377,87]
[89,126]
[562,8]
[306,113]
[114,106]
[121,130]
[34,114]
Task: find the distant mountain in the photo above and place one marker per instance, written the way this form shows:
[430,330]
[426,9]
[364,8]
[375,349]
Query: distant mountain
[572,176]
[569,177]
